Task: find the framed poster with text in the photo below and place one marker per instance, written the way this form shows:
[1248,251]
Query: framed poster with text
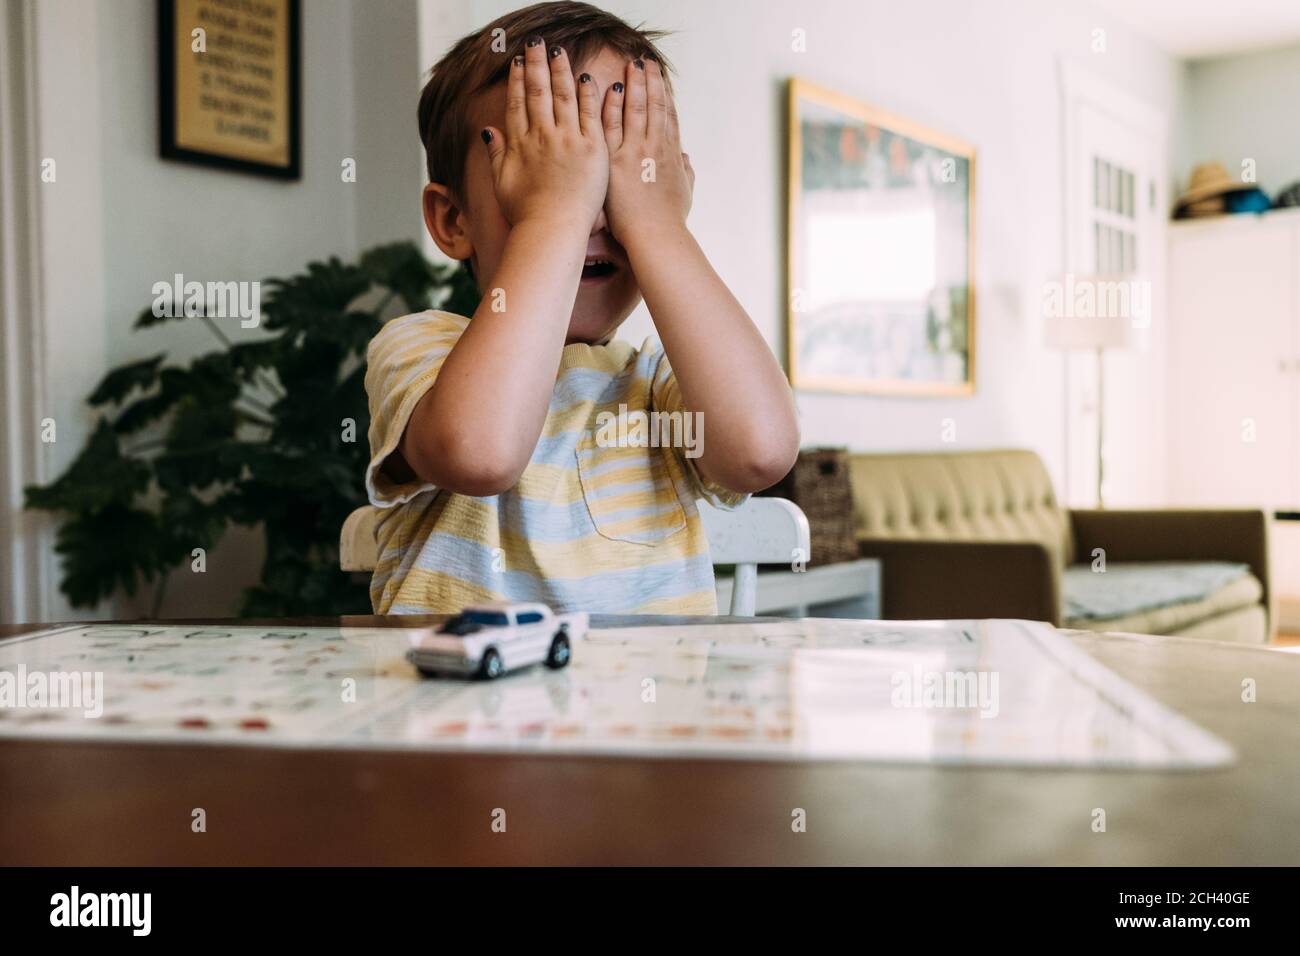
[229,84]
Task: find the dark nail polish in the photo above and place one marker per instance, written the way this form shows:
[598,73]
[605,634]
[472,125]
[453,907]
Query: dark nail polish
[638,64]
[487,136]
[519,61]
[618,87]
[533,41]
[585,78]
[555,52]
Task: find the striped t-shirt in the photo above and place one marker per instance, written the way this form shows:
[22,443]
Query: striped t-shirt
[603,519]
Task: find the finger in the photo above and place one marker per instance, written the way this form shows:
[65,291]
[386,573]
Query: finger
[612,116]
[656,100]
[634,103]
[516,101]
[563,94]
[537,84]
[588,105]
[495,144]
[674,131]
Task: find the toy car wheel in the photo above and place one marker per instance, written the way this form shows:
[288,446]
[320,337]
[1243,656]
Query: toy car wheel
[491,667]
[558,655]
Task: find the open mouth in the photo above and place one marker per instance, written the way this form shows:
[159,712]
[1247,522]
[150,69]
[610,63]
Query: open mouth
[595,269]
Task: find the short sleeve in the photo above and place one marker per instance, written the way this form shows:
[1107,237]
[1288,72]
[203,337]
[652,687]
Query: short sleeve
[402,363]
[666,396]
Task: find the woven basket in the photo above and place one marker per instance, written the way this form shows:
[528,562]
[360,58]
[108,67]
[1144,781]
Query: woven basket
[819,484]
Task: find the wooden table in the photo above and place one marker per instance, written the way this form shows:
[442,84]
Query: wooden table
[98,804]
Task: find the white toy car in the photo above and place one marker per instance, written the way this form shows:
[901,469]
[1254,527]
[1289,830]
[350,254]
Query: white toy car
[489,639]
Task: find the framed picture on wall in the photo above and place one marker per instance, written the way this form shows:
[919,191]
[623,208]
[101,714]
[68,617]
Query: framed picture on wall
[229,84]
[881,253]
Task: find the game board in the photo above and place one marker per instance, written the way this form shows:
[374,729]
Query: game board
[964,692]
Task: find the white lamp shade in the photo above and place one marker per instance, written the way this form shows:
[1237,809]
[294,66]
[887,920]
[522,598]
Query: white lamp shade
[1080,333]
[1093,312]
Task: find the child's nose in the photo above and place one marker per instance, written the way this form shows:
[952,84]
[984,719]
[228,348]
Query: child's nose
[600,225]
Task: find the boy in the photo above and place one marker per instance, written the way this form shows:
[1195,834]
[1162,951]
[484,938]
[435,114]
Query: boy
[556,171]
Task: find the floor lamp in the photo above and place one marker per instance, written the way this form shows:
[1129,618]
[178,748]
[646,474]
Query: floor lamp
[1091,333]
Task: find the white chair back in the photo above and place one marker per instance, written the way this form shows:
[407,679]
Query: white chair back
[761,531]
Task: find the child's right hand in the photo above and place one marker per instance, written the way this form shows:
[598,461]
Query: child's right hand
[552,163]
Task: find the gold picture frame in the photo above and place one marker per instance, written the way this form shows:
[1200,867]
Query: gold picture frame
[880,262]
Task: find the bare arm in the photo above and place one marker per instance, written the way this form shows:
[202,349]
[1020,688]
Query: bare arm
[474,431]
[724,368]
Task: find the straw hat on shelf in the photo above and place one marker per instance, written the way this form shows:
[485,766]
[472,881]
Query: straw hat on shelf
[1206,194]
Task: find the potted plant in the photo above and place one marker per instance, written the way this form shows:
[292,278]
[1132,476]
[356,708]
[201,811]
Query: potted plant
[269,433]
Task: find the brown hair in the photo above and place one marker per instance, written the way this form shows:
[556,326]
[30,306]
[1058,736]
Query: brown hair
[482,59]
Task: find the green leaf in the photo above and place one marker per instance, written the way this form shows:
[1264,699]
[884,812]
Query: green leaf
[400,266]
[248,357]
[98,479]
[114,547]
[295,305]
[144,411]
[147,318]
[120,382]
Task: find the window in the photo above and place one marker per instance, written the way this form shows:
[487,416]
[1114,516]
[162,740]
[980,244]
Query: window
[529,617]
[488,618]
[1114,218]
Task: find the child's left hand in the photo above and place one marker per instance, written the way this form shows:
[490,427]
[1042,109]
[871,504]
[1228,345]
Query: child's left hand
[739,387]
[650,178]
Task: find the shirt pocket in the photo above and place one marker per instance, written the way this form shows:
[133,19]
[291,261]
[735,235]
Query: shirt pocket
[629,493]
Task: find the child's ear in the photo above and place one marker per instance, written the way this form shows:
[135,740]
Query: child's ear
[442,217]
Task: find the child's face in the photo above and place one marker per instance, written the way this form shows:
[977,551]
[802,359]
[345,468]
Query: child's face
[603,302]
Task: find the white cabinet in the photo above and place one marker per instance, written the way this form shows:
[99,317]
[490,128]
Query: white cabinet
[1234,361]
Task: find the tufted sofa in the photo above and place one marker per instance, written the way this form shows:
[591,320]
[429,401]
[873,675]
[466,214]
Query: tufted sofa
[980,534]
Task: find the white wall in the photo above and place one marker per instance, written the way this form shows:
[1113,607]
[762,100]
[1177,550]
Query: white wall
[162,217]
[984,70]
[66,68]
[386,70]
[1244,107]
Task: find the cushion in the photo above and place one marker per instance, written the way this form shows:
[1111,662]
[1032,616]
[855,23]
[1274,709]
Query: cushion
[1245,625]
[1155,598]
[999,495]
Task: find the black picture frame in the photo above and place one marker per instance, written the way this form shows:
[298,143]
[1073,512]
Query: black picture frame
[167,147]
